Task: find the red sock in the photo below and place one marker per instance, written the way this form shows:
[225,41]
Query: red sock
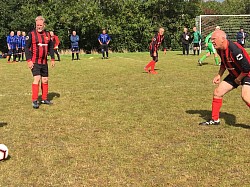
[248,105]
[45,89]
[216,105]
[150,64]
[35,90]
[153,66]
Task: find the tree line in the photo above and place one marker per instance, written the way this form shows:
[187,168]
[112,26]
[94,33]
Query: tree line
[130,23]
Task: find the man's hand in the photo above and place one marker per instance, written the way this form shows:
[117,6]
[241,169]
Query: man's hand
[53,63]
[206,44]
[237,81]
[216,79]
[154,53]
[30,64]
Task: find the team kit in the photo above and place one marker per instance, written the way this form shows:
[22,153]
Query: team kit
[234,58]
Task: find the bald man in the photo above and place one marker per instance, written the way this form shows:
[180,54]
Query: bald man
[157,40]
[236,60]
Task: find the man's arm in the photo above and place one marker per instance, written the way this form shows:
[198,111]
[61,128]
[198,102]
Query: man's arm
[8,42]
[99,39]
[154,43]
[242,60]
[108,39]
[28,52]
[23,42]
[72,39]
[239,36]
[77,38]
[200,36]
[16,42]
[207,39]
[217,78]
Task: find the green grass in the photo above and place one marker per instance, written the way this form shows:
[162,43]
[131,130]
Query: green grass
[114,125]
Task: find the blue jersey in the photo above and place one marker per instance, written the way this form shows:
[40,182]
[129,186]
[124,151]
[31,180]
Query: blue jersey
[11,41]
[74,40]
[104,38]
[23,41]
[18,41]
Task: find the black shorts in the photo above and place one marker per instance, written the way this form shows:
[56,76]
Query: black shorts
[230,80]
[19,51]
[155,58]
[40,69]
[104,47]
[75,49]
[196,45]
[12,51]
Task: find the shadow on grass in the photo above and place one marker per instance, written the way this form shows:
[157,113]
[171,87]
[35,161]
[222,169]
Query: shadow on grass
[184,55]
[3,124]
[203,63]
[8,158]
[51,96]
[149,70]
[230,119]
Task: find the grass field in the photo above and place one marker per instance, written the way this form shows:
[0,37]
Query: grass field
[114,125]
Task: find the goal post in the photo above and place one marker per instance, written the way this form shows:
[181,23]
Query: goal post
[229,23]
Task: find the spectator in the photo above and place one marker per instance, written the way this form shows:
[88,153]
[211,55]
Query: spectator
[74,45]
[56,42]
[23,44]
[11,43]
[241,37]
[185,40]
[104,40]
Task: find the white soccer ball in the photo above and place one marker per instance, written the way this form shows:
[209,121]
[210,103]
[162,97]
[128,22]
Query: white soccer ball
[3,152]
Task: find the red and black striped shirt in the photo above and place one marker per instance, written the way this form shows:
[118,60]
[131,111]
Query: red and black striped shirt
[157,40]
[235,59]
[38,44]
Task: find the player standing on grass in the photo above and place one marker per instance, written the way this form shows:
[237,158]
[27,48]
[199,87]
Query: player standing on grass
[56,42]
[196,41]
[38,44]
[23,44]
[18,45]
[104,40]
[236,60]
[157,40]
[210,49]
[74,45]
[11,43]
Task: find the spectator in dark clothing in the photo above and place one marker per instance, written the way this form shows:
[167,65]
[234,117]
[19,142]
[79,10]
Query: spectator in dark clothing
[241,37]
[185,40]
